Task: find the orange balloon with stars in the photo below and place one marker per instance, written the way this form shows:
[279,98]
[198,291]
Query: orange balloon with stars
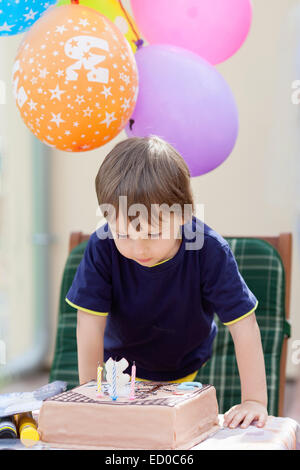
[75,79]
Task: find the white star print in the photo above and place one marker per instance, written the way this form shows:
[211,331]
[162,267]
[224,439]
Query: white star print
[57,119]
[30,15]
[79,99]
[84,22]
[56,93]
[126,104]
[106,91]
[43,73]
[124,77]
[60,29]
[108,119]
[32,105]
[6,27]
[87,112]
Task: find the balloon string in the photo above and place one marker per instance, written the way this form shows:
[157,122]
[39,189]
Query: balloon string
[139,42]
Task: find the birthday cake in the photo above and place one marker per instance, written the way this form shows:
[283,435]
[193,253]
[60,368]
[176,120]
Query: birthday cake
[158,416]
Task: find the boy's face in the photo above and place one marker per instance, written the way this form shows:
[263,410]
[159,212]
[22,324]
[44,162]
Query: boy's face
[147,244]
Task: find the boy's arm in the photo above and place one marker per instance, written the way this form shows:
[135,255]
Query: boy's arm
[90,341]
[250,359]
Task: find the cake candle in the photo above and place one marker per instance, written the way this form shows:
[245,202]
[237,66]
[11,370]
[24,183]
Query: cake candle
[99,376]
[132,385]
[114,382]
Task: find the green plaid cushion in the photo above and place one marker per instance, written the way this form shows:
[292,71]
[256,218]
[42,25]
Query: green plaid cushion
[64,365]
[262,269]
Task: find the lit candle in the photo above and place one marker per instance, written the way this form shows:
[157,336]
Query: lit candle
[132,385]
[114,382]
[99,374]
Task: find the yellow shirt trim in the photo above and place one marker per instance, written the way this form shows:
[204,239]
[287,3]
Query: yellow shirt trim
[100,314]
[164,261]
[160,262]
[188,378]
[243,316]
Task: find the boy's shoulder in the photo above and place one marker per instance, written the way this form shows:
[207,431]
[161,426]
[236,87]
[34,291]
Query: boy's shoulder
[101,234]
[100,241]
[210,238]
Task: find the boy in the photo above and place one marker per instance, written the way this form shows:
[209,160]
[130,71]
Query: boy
[148,285]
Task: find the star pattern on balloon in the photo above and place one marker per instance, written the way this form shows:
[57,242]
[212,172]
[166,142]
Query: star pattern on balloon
[76,70]
[17,16]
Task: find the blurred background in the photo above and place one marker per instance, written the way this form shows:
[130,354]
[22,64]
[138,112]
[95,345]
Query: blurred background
[45,194]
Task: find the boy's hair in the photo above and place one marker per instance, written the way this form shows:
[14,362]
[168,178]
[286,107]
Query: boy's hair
[147,170]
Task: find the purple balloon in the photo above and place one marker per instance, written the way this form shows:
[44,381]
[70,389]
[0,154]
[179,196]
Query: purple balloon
[186,101]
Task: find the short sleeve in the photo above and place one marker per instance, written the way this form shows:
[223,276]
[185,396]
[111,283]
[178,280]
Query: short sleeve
[91,288]
[223,288]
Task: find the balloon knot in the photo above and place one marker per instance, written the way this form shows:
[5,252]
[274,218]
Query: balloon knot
[139,43]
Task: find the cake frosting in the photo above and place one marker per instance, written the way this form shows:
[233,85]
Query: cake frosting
[161,416]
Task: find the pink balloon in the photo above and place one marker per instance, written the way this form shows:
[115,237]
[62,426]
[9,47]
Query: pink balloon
[213,29]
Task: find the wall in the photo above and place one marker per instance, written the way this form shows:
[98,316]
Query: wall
[16,282]
[253,193]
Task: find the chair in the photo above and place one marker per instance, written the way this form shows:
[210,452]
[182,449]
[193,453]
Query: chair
[265,264]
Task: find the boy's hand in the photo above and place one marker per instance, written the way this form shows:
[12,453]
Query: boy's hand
[245,413]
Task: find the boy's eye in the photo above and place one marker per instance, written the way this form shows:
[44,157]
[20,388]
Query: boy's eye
[122,235]
[155,235]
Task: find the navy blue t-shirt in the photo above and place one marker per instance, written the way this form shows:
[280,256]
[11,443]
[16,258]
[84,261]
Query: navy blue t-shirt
[162,317]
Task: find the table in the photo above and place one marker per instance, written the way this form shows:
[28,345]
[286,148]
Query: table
[278,434]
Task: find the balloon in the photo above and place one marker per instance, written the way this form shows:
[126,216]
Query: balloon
[186,101]
[112,10]
[17,16]
[75,79]
[214,29]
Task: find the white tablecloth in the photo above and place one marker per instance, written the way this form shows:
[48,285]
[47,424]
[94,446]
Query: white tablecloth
[278,433]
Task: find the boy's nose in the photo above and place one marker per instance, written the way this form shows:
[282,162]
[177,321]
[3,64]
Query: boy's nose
[140,249]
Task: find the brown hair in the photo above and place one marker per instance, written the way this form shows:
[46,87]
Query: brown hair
[148,171]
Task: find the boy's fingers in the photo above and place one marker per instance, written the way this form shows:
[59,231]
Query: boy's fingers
[248,420]
[228,416]
[236,419]
[261,421]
